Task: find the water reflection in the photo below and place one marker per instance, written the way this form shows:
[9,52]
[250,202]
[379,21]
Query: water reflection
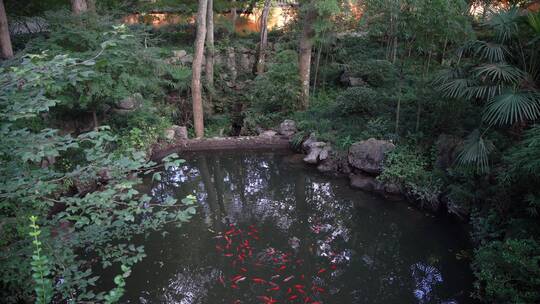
[344,245]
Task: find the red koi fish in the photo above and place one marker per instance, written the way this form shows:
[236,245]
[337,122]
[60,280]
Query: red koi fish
[222,281]
[219,248]
[307,300]
[228,255]
[275,288]
[258,281]
[318,289]
[293,297]
[334,266]
[289,290]
[302,277]
[243,269]
[234,286]
[267,300]
[323,270]
[283,267]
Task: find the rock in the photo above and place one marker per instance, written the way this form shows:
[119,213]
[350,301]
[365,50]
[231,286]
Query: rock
[329,165]
[311,139]
[447,150]
[365,182]
[268,133]
[169,134]
[245,62]
[287,128]
[179,53]
[176,133]
[130,103]
[368,155]
[325,152]
[348,80]
[315,150]
[181,132]
[188,59]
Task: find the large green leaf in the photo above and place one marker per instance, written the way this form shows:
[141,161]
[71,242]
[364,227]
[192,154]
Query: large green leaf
[512,107]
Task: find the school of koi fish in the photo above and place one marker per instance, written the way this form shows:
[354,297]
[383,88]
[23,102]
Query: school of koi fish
[277,277]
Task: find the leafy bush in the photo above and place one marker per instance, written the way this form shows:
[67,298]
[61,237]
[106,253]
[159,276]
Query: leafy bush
[376,73]
[508,271]
[407,168]
[94,202]
[359,100]
[275,93]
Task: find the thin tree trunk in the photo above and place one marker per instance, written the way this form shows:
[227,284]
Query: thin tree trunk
[304,63]
[234,16]
[317,64]
[5,39]
[78,6]
[264,37]
[394,52]
[196,93]
[94,118]
[210,50]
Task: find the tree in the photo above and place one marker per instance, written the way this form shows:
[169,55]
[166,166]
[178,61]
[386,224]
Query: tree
[78,6]
[264,37]
[5,40]
[198,115]
[316,21]
[306,45]
[210,50]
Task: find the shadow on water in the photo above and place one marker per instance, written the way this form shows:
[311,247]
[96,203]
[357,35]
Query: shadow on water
[271,230]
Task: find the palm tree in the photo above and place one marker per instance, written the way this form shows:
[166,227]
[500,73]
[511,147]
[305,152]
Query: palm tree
[502,75]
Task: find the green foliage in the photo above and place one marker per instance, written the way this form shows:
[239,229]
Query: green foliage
[359,100]
[407,168]
[275,93]
[40,266]
[509,271]
[101,210]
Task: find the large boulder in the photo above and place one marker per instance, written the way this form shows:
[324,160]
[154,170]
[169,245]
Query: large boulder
[368,155]
[287,128]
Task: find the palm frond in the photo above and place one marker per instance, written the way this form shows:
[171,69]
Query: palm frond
[499,73]
[475,152]
[505,24]
[512,107]
[452,82]
[533,19]
[484,91]
[491,51]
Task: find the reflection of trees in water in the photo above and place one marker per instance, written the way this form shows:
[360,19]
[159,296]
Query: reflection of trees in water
[293,203]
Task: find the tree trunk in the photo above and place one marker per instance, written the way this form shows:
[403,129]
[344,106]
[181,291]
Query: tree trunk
[234,16]
[78,6]
[317,65]
[210,50]
[5,39]
[196,94]
[304,62]
[264,37]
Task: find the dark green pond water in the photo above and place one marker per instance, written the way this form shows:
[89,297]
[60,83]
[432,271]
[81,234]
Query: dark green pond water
[272,230]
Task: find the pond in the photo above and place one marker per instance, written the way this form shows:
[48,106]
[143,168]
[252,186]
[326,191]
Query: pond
[270,229]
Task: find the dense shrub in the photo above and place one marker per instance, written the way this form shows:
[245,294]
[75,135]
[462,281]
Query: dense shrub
[359,101]
[509,271]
